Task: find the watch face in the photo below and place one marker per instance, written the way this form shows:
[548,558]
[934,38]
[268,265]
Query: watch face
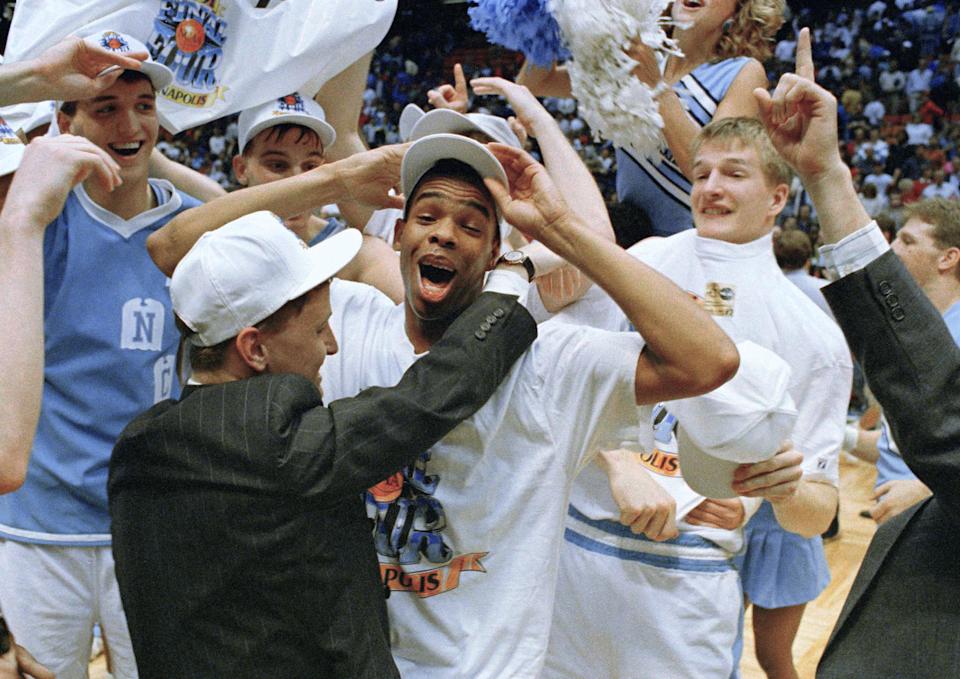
[514,257]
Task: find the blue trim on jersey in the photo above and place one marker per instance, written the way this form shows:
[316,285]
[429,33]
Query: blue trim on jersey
[619,530]
[333,226]
[659,560]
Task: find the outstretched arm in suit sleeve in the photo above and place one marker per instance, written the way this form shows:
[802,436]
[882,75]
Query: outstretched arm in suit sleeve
[912,365]
[367,438]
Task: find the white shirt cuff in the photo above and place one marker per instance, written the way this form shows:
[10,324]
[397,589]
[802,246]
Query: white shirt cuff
[855,251]
[507,283]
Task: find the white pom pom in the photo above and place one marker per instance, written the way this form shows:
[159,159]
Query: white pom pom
[612,101]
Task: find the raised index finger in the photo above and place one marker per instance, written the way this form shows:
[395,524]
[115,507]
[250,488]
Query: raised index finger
[804,67]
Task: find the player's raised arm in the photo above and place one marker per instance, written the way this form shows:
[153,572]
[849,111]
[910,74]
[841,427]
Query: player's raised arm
[71,69]
[50,168]
[687,353]
[801,119]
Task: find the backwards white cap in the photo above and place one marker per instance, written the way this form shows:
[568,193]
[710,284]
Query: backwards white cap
[742,421]
[291,109]
[241,273]
[415,124]
[121,43]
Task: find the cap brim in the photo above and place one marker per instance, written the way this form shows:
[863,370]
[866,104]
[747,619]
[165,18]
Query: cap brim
[159,75]
[709,476]
[10,157]
[323,129]
[409,118]
[328,257]
[428,151]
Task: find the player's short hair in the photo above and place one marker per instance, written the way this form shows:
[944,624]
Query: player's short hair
[747,132]
[278,132]
[70,107]
[792,249]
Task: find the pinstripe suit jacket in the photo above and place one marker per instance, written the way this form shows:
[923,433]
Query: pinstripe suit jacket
[902,616]
[240,536]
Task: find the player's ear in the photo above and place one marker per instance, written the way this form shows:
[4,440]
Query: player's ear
[249,345]
[240,169]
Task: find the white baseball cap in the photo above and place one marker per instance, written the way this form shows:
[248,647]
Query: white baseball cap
[11,149]
[241,273]
[743,421]
[426,152]
[415,124]
[114,41]
[292,109]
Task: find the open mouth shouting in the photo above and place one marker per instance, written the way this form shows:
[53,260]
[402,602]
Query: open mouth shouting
[127,149]
[436,277]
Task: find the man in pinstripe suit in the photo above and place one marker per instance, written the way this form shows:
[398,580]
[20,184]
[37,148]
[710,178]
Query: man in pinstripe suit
[241,540]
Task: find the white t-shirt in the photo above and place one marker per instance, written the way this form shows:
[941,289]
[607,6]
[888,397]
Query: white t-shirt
[750,298]
[945,190]
[469,536]
[656,445]
[918,133]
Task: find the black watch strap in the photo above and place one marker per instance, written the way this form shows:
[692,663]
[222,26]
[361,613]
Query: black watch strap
[519,257]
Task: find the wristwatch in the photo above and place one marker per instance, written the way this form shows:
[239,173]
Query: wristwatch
[521,258]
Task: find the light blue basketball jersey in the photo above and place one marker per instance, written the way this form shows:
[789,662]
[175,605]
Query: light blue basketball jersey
[109,345]
[660,188]
[890,465]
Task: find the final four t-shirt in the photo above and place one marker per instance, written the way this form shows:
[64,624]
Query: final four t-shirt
[468,537]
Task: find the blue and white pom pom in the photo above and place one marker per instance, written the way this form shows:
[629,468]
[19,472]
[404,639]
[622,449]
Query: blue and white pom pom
[612,101]
[523,25]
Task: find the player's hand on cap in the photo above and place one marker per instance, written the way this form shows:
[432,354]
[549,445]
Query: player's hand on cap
[801,118]
[529,111]
[727,514]
[454,96]
[532,203]
[775,479]
[74,69]
[366,178]
[645,507]
[50,168]
[897,495]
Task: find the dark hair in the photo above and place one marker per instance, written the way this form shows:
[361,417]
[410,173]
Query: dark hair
[792,249]
[70,107]
[454,169]
[280,131]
